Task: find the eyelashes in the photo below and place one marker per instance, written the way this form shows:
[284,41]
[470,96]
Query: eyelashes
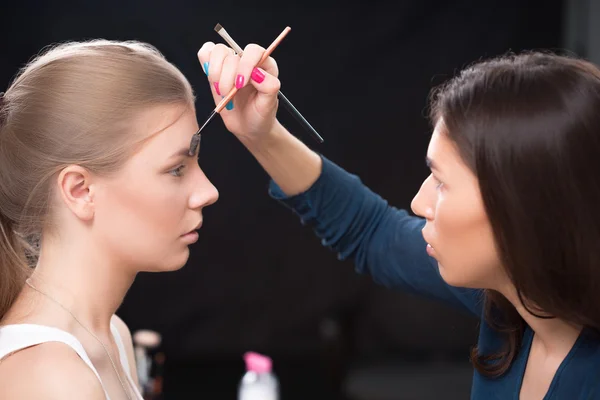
[438,183]
[177,172]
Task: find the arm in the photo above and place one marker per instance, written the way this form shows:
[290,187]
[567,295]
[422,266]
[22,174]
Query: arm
[128,343]
[286,159]
[384,242]
[51,371]
[349,218]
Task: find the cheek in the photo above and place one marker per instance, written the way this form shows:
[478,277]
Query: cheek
[161,204]
[146,211]
[465,245]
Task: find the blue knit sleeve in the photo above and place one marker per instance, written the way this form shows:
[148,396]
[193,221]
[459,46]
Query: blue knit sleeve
[384,242]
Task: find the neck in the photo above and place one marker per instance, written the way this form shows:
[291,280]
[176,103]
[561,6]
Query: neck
[83,280]
[557,336]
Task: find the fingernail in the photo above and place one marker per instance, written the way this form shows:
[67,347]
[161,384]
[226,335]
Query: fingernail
[257,75]
[216,84]
[239,81]
[205,66]
[228,106]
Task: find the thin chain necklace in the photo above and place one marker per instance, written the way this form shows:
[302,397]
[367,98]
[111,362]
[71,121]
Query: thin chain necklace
[88,331]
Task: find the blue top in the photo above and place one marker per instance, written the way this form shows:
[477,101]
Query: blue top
[387,244]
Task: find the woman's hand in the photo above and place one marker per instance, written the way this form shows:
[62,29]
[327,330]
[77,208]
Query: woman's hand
[253,112]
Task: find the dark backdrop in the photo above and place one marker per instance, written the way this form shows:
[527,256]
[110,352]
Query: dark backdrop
[257,280]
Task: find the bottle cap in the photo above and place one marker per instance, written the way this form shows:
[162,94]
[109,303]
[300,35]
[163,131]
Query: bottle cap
[147,338]
[257,362]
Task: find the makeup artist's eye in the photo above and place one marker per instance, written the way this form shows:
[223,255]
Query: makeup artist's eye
[438,183]
[178,172]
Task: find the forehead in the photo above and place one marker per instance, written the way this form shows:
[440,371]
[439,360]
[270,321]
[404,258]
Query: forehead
[440,149]
[444,153]
[164,129]
[152,122]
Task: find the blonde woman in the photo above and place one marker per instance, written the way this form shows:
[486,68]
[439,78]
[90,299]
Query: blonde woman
[96,185]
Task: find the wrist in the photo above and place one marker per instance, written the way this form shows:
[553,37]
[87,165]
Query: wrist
[263,142]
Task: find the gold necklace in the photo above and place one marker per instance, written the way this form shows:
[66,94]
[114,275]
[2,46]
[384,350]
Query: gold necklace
[88,331]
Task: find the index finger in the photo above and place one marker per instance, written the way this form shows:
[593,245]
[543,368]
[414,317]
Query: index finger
[204,55]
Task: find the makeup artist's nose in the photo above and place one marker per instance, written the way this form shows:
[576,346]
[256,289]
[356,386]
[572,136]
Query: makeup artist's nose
[204,193]
[422,203]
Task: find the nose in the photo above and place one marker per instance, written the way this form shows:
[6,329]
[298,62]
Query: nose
[422,203]
[204,193]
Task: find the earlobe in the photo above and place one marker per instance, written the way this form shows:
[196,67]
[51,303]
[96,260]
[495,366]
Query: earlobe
[76,191]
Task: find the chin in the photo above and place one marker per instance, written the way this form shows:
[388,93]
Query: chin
[170,264]
[459,280]
[449,278]
[179,262]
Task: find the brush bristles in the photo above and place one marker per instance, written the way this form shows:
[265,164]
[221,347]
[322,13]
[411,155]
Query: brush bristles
[218,27]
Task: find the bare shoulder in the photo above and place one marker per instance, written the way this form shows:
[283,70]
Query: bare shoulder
[122,328]
[50,371]
[125,334]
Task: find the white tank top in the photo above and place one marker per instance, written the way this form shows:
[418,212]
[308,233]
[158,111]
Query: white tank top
[20,336]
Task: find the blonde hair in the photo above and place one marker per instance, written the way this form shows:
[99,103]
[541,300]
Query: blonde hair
[72,104]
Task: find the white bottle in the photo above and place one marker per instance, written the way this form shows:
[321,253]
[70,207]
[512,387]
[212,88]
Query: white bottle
[144,341]
[259,382]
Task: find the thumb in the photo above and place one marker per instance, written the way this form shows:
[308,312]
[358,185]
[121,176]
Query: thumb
[267,87]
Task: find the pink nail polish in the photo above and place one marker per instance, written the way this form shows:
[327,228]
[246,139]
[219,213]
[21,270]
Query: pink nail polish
[257,75]
[239,81]
[217,88]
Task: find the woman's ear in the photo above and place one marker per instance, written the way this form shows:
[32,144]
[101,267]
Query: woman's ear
[76,191]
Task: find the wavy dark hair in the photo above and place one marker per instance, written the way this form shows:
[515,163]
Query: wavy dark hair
[528,126]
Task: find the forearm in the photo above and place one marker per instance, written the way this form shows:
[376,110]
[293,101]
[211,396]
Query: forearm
[384,242]
[288,161]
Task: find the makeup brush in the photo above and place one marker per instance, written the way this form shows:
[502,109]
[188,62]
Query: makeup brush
[284,100]
[196,138]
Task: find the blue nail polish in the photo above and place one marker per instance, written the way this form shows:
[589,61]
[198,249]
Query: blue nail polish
[205,65]
[228,106]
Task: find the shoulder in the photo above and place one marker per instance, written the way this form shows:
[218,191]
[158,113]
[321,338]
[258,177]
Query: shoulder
[123,329]
[125,334]
[50,371]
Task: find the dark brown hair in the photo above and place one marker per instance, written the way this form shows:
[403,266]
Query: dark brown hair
[528,126]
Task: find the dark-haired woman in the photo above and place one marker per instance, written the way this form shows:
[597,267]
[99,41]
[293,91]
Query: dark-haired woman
[509,217]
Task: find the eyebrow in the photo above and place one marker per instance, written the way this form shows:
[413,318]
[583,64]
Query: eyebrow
[185,152]
[181,153]
[431,164]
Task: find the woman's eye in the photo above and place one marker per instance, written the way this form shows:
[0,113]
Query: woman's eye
[177,171]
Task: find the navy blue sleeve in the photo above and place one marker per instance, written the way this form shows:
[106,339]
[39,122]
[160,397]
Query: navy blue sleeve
[384,242]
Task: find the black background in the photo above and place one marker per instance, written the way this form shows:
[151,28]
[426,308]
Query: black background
[257,280]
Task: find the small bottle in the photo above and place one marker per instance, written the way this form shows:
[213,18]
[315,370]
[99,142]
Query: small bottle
[259,382]
[146,341]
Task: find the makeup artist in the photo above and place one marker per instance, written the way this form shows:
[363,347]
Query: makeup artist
[508,220]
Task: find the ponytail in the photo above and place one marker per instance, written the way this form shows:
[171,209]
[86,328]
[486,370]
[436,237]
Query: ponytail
[13,265]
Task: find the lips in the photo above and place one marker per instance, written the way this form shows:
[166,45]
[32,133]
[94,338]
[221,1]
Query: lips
[430,250]
[195,229]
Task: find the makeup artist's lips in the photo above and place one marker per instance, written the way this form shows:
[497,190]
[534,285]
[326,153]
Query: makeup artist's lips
[430,250]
